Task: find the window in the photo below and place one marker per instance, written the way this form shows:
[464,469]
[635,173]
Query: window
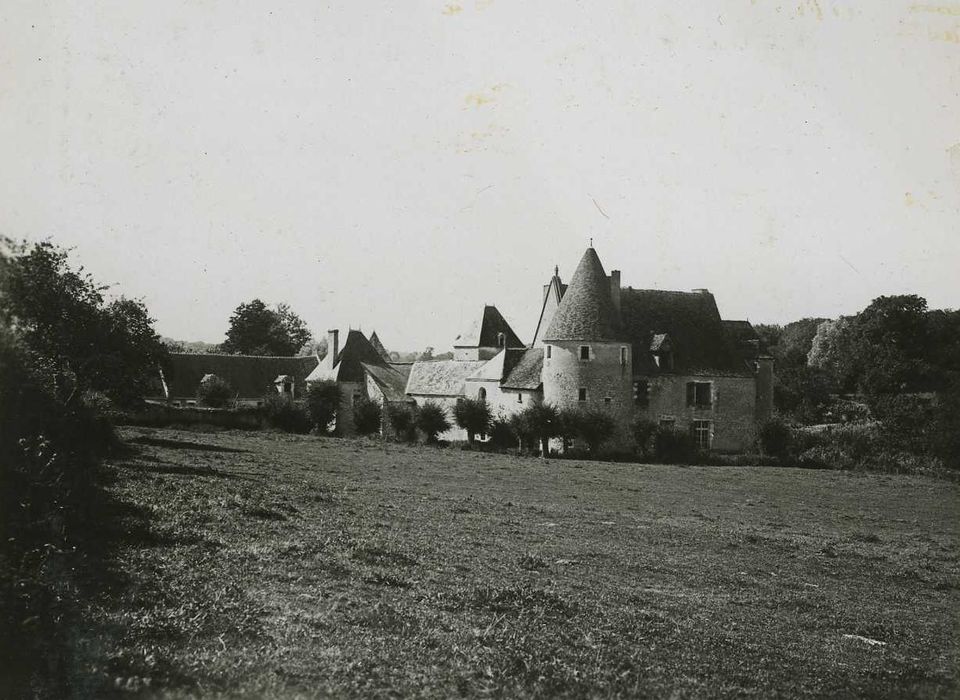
[699,394]
[667,422]
[607,399]
[519,397]
[701,433]
[584,352]
[482,394]
[549,348]
[623,355]
[582,395]
[641,393]
[501,339]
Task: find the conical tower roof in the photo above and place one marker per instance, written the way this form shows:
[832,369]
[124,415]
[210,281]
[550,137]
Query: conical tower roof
[586,311]
[378,346]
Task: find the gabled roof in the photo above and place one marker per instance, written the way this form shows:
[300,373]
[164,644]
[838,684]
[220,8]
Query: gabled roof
[249,376]
[527,373]
[483,332]
[392,383]
[499,366]
[378,346]
[698,341]
[441,377]
[586,311]
[348,366]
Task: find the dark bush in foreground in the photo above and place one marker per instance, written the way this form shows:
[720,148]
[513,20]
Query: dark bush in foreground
[366,416]
[323,401]
[432,420]
[49,452]
[538,422]
[289,416]
[403,421]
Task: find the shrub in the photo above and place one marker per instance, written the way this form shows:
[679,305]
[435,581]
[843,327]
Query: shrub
[432,420]
[366,416]
[595,427]
[323,401]
[502,435]
[214,391]
[403,421]
[773,435]
[288,416]
[473,415]
[644,430]
[568,426]
[538,421]
[673,446]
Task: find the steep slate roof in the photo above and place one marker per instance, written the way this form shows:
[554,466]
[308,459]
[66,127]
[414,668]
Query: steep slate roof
[392,383]
[698,340]
[348,366]
[441,377]
[744,337]
[554,288]
[378,346]
[526,374]
[249,376]
[484,332]
[586,311]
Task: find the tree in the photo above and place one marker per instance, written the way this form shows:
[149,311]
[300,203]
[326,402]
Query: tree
[81,342]
[256,329]
[540,422]
[366,416]
[803,392]
[884,348]
[432,420]
[595,427]
[214,391]
[473,415]
[403,421]
[323,402]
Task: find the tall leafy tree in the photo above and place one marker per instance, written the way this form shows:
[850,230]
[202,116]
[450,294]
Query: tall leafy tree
[256,329]
[78,340]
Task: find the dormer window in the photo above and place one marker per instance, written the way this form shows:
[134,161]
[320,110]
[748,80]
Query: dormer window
[501,340]
[584,352]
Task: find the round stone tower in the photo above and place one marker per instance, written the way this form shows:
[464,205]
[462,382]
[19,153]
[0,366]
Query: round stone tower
[586,364]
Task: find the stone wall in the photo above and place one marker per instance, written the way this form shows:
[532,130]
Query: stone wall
[348,390]
[732,412]
[608,381]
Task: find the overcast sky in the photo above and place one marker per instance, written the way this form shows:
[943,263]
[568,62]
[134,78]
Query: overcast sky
[396,165]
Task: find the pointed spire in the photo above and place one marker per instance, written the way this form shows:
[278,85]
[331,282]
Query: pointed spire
[556,270]
[586,311]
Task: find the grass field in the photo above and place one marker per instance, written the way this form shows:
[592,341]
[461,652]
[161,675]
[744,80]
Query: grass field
[265,564]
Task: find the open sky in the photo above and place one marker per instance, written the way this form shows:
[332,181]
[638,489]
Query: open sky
[395,166]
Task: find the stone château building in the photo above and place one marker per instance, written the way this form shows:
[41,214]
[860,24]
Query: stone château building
[664,355]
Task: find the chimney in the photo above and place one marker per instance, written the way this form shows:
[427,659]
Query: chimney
[333,347]
[615,291]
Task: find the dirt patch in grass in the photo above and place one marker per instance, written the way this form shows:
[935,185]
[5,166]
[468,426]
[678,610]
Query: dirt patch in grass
[261,565]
